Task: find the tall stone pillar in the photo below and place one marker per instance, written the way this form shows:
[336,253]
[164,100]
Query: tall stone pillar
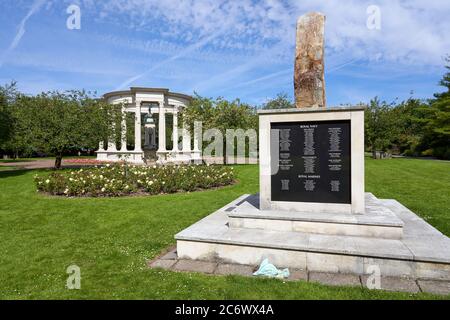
[196,154]
[186,144]
[123,132]
[112,140]
[137,128]
[175,129]
[162,128]
[309,82]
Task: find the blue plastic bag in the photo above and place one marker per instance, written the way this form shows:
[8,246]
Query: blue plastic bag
[269,270]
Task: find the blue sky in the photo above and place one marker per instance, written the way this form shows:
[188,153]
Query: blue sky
[233,49]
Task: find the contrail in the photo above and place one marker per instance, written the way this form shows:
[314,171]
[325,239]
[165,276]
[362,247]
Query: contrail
[21,28]
[263,78]
[231,74]
[341,65]
[188,50]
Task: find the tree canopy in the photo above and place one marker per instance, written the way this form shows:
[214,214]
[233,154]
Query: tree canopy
[55,123]
[221,114]
[281,101]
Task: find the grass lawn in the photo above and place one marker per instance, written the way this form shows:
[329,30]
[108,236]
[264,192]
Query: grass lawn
[111,239]
[6,168]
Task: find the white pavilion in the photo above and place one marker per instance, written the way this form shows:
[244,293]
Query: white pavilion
[144,103]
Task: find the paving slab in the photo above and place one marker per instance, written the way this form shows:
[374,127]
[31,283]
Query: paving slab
[335,279]
[395,284]
[298,274]
[171,255]
[195,266]
[435,286]
[165,264]
[234,269]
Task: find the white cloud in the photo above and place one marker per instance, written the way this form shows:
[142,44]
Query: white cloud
[413,33]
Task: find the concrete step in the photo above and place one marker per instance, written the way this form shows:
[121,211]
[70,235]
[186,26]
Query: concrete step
[378,221]
[212,239]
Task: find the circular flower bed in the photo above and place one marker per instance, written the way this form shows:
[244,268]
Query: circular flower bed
[118,180]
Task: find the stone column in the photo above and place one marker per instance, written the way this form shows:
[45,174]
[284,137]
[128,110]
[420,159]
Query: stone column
[123,132]
[196,153]
[197,134]
[162,128]
[186,139]
[175,129]
[309,82]
[137,128]
[112,140]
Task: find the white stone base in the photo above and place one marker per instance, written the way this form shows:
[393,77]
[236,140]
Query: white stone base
[378,221]
[423,252]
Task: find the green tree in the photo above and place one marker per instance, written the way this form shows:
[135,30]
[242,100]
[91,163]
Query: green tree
[234,115]
[220,114]
[281,101]
[8,95]
[409,117]
[437,123]
[55,123]
[380,126]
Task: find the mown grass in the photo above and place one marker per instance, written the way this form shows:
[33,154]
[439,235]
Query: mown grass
[111,239]
[421,185]
[6,168]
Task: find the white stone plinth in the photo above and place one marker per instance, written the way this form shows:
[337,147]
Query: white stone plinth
[356,117]
[423,252]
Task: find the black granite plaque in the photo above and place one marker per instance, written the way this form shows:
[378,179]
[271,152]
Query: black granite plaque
[313,162]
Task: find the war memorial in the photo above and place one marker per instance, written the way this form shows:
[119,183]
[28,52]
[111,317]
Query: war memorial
[312,212]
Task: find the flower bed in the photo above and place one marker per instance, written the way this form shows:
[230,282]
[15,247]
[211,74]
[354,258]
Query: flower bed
[118,180]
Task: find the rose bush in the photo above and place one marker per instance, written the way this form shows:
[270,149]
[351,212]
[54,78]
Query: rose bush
[123,179]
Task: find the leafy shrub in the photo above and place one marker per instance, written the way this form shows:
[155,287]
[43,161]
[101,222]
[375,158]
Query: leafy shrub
[118,180]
